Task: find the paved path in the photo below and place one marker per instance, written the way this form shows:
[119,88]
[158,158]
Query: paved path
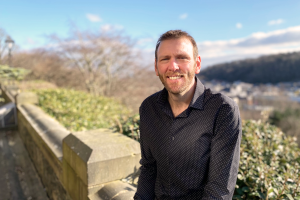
[18,177]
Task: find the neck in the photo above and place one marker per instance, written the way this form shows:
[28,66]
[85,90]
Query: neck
[180,102]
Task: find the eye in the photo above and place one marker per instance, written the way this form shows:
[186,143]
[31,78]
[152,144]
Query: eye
[182,57]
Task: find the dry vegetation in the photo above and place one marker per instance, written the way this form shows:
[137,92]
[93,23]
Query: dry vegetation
[48,70]
[99,63]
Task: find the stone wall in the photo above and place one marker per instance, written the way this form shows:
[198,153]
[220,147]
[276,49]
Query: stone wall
[77,166]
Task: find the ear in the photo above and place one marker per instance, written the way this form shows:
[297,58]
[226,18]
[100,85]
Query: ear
[198,65]
[156,70]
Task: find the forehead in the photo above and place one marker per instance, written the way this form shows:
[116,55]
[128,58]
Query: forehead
[175,46]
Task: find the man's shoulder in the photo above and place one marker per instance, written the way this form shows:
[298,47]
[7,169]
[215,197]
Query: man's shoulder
[219,98]
[150,100]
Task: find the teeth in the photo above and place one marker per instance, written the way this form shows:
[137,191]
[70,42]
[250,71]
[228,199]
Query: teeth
[174,77]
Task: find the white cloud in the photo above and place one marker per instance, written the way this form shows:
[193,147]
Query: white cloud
[261,43]
[275,22]
[110,27]
[93,18]
[238,25]
[183,16]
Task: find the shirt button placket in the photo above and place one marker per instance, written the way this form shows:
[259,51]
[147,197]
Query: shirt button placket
[172,138]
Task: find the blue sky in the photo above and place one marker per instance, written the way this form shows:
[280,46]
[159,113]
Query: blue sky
[224,30]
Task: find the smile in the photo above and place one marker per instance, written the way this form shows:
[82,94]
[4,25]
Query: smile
[174,77]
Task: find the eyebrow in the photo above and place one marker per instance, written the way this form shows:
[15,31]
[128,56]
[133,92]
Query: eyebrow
[183,55]
[166,56]
[177,55]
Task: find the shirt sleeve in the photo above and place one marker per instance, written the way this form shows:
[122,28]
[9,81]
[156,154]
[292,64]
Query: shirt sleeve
[225,154]
[147,178]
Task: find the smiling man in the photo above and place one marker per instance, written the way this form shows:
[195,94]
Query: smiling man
[190,137]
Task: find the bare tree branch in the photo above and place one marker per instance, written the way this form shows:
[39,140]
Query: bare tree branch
[101,57]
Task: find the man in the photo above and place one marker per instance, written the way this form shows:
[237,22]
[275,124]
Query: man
[190,137]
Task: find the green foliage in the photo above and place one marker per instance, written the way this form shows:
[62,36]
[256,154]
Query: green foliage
[129,126]
[277,116]
[269,164]
[287,121]
[79,111]
[7,72]
[266,69]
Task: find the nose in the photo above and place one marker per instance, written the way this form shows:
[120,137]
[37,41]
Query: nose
[173,65]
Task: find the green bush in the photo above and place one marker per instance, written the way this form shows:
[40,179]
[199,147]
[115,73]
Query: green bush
[79,111]
[288,121]
[129,125]
[269,164]
[277,116]
[7,72]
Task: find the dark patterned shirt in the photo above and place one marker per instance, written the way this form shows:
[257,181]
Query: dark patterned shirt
[194,155]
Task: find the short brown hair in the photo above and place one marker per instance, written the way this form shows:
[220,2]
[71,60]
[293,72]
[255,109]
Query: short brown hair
[176,34]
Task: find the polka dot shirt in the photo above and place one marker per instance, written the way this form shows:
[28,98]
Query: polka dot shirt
[192,156]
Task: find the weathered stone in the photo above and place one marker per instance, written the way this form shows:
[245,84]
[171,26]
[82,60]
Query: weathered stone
[116,190]
[45,126]
[97,157]
[44,148]
[27,97]
[8,97]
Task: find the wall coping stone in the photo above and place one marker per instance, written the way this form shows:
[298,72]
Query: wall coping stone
[116,190]
[95,157]
[27,97]
[50,130]
[7,93]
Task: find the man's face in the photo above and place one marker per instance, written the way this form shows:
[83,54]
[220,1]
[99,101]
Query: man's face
[176,66]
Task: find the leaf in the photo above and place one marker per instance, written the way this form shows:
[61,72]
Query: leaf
[246,189]
[236,197]
[290,196]
[240,177]
[270,190]
[240,191]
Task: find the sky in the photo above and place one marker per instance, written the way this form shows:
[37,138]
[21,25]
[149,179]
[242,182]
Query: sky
[224,30]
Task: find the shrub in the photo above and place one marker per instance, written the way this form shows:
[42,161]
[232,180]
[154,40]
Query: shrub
[78,111]
[7,72]
[287,121]
[269,164]
[129,125]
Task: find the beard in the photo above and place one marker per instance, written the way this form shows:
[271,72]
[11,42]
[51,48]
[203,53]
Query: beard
[178,86]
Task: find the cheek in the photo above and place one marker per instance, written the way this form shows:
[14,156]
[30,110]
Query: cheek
[161,69]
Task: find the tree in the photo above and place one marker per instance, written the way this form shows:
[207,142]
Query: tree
[103,58]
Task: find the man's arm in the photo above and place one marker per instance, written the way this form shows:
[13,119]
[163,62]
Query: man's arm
[147,178]
[225,154]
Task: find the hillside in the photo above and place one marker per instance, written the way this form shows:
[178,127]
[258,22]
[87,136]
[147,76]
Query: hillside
[265,69]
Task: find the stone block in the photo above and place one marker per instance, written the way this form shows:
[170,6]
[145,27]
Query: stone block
[116,190]
[97,157]
[27,97]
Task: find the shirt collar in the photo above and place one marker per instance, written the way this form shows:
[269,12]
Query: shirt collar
[197,100]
